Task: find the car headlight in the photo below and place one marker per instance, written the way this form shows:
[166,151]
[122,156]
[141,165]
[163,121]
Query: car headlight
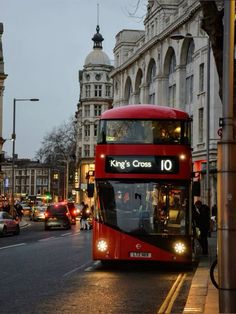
[102,245]
[180,248]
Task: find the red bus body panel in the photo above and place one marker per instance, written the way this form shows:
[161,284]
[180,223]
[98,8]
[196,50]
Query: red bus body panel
[121,245]
[144,112]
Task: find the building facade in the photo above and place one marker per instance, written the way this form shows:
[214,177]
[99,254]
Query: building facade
[170,63]
[32,178]
[96,96]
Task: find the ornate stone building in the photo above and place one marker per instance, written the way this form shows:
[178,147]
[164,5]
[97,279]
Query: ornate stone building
[96,95]
[170,63]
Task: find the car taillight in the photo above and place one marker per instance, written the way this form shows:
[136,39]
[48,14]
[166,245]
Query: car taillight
[46,214]
[74,211]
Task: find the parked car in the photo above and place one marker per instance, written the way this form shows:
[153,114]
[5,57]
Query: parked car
[8,224]
[38,213]
[56,216]
[73,212]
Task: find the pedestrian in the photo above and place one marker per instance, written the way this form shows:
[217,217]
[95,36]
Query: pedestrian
[85,213]
[214,217]
[6,207]
[19,210]
[201,222]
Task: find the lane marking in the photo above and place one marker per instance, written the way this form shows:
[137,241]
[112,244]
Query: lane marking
[75,269]
[175,295]
[25,226]
[10,246]
[66,234]
[91,268]
[46,239]
[172,295]
[70,234]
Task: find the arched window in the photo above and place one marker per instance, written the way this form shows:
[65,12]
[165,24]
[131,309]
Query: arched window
[151,82]
[172,64]
[190,52]
[172,81]
[138,83]
[128,91]
[189,74]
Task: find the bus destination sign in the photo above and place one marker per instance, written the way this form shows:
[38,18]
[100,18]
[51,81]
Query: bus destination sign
[142,164]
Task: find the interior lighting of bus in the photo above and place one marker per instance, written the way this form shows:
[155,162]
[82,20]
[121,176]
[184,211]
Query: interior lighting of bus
[102,245]
[180,248]
[177,130]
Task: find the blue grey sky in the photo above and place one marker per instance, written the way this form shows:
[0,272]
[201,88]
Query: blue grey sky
[45,43]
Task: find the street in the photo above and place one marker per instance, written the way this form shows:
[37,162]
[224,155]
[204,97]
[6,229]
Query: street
[53,272]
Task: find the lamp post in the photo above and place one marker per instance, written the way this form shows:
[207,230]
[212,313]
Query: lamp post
[226,175]
[179,37]
[67,161]
[13,146]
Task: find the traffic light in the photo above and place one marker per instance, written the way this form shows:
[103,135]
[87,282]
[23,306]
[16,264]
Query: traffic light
[48,196]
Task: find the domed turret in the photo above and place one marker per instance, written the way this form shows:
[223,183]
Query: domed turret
[97,56]
[97,38]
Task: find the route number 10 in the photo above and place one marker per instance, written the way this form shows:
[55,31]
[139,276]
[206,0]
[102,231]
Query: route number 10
[166,165]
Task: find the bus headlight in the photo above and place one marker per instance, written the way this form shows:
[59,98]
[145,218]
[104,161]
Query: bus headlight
[102,245]
[180,248]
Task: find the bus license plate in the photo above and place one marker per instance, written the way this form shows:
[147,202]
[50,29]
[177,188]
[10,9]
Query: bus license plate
[141,254]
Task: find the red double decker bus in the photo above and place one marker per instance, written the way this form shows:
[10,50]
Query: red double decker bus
[143,170]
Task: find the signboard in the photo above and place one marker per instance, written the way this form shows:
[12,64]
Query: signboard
[219,132]
[142,164]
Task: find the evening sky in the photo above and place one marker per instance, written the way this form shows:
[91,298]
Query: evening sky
[45,43]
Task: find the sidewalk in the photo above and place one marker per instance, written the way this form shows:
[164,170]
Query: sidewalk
[203,296]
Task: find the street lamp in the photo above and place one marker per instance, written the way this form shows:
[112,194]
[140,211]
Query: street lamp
[13,146]
[66,160]
[179,37]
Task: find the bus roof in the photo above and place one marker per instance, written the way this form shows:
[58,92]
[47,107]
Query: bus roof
[144,112]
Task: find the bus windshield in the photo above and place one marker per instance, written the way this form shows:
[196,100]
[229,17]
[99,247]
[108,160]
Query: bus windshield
[143,207]
[144,131]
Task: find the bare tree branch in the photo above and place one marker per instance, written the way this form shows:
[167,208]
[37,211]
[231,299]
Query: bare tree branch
[59,144]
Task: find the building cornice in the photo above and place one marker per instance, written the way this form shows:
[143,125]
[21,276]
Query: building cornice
[158,38]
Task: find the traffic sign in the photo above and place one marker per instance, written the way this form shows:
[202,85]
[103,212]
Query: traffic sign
[219,132]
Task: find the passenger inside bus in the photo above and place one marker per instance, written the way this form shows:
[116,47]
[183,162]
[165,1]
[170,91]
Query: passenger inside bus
[166,132]
[145,131]
[143,207]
